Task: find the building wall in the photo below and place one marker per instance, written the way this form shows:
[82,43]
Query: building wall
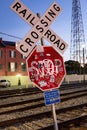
[2,61]
[75,78]
[24,80]
[5,60]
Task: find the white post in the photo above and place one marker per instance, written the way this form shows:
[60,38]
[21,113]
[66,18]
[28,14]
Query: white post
[54,117]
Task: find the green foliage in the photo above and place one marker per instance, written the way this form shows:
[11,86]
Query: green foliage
[73,67]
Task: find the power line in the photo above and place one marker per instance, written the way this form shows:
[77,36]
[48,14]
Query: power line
[10,35]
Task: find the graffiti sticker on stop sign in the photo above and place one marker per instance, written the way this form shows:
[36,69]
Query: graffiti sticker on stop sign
[46,68]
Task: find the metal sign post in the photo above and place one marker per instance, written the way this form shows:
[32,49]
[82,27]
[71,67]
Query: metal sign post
[45,65]
[51,97]
[54,117]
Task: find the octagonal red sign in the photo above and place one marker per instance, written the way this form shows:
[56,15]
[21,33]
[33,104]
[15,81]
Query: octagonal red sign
[46,68]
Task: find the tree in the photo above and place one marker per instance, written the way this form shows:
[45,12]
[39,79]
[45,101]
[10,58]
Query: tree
[73,67]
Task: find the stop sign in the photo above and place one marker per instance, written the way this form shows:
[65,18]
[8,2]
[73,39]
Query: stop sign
[46,68]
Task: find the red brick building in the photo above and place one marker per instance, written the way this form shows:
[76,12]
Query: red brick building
[11,61]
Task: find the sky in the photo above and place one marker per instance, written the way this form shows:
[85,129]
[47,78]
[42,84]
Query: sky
[12,24]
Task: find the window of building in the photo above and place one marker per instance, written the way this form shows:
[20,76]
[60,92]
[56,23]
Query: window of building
[0,53]
[12,54]
[23,57]
[0,66]
[23,66]
[12,66]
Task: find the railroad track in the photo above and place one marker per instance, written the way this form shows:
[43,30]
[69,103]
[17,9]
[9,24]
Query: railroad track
[33,90]
[78,123]
[43,120]
[23,99]
[21,111]
[6,93]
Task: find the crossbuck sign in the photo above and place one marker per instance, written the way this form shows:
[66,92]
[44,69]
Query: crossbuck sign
[40,28]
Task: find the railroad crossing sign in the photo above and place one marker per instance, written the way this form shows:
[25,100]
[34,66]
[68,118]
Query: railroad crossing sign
[40,28]
[46,68]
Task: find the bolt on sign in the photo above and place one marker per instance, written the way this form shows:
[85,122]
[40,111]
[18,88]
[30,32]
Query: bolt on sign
[40,28]
[46,68]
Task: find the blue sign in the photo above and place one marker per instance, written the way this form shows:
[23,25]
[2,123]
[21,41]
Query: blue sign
[51,97]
